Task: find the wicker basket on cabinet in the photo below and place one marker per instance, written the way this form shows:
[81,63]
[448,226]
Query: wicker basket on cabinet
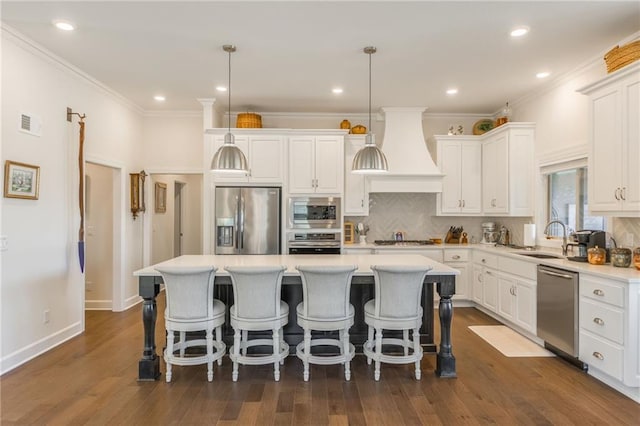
[621,56]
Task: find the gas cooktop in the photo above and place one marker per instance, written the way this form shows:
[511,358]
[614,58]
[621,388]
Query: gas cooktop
[403,243]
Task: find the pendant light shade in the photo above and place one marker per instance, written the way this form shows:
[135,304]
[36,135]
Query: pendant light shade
[229,158]
[370,158]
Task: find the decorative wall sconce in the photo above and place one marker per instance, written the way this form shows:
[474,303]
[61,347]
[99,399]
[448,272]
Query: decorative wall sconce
[137,193]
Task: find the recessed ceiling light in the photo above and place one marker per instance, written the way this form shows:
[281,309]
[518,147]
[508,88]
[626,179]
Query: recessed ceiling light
[519,31]
[159,98]
[221,89]
[543,74]
[337,90]
[64,25]
[452,91]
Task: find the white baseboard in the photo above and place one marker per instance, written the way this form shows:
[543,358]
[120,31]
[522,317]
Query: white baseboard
[35,349]
[633,393]
[98,305]
[131,302]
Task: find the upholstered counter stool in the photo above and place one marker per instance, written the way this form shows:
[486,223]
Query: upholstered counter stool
[396,306]
[325,307]
[257,307]
[191,307]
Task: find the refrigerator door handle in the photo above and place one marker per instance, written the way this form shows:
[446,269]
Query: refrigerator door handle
[241,222]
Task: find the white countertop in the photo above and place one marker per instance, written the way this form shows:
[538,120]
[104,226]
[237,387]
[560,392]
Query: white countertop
[363,261]
[630,274]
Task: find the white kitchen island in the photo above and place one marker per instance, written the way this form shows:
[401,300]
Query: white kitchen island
[149,281]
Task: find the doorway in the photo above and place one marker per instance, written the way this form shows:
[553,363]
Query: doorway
[178,224]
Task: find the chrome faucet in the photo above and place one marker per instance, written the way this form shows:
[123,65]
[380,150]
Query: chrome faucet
[564,234]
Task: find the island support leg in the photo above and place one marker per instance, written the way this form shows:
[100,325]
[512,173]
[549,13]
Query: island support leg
[149,364]
[445,361]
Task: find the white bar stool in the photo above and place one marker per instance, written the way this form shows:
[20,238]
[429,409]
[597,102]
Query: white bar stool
[191,307]
[398,291]
[325,307]
[257,307]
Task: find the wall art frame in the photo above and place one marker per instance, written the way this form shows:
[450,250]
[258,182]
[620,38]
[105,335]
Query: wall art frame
[161,197]
[21,180]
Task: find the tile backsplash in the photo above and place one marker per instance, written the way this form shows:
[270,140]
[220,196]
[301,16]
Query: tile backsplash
[415,215]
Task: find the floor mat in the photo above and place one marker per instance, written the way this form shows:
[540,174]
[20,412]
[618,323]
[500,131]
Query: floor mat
[509,342]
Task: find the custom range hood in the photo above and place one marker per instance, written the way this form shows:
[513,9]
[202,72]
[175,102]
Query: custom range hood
[411,168]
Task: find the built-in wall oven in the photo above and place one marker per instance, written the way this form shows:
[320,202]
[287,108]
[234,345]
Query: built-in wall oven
[314,212]
[313,243]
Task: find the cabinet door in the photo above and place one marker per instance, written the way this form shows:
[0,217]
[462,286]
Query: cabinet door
[495,182]
[243,143]
[631,156]
[490,290]
[329,161]
[450,163]
[356,197]
[605,175]
[478,288]
[471,177]
[506,296]
[266,159]
[526,300]
[301,164]
[462,280]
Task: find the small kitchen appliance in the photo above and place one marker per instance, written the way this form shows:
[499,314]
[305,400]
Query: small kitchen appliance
[583,241]
[488,233]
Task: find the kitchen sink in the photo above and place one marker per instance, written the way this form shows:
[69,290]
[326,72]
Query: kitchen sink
[541,255]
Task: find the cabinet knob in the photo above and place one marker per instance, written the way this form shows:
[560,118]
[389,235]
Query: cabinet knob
[455,257]
[598,355]
[463,203]
[617,194]
[598,292]
[598,321]
[623,193]
[484,260]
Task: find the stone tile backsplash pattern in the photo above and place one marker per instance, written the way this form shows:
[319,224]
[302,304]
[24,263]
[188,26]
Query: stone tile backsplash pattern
[415,214]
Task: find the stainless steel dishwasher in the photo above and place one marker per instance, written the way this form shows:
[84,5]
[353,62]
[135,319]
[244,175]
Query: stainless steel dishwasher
[558,311]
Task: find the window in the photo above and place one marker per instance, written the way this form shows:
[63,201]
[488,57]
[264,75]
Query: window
[567,192]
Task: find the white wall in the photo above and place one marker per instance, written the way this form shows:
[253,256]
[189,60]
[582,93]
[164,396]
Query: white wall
[40,270]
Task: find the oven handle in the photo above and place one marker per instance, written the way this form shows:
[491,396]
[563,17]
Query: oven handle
[555,274]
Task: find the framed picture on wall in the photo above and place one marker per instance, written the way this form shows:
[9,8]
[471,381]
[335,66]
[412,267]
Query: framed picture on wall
[21,180]
[161,197]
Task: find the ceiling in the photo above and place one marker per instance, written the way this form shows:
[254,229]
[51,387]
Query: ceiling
[291,54]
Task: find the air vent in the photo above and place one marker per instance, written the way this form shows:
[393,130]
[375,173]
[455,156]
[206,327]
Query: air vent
[31,124]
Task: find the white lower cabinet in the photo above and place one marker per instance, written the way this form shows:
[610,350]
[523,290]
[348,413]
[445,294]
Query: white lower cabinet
[459,259]
[485,280]
[610,331]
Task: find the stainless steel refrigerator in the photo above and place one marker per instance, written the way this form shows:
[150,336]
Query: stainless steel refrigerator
[247,220]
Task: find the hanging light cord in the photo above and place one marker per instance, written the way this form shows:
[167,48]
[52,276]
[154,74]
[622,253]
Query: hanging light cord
[229,94]
[370,93]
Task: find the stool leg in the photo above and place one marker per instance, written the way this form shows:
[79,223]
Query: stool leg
[369,342]
[236,353]
[245,340]
[182,341]
[307,353]
[345,351]
[281,343]
[276,352]
[219,341]
[405,338]
[416,351]
[376,373]
[168,354]
[209,354]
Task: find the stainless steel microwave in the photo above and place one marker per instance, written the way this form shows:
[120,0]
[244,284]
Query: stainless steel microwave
[316,212]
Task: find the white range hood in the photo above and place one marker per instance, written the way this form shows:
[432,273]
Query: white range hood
[411,168]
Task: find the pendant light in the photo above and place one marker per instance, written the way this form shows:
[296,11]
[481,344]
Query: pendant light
[229,158]
[369,159]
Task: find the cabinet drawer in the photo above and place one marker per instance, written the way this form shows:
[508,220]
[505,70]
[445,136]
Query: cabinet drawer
[603,320]
[602,355]
[518,267]
[456,255]
[602,290]
[486,259]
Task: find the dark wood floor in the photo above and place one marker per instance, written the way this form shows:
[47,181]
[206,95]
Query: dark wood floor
[92,380]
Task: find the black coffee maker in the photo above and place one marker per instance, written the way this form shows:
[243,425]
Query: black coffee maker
[583,241]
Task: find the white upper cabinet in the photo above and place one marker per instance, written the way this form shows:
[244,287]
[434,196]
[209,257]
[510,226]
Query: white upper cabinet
[614,140]
[316,164]
[265,157]
[508,170]
[460,160]
[356,195]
